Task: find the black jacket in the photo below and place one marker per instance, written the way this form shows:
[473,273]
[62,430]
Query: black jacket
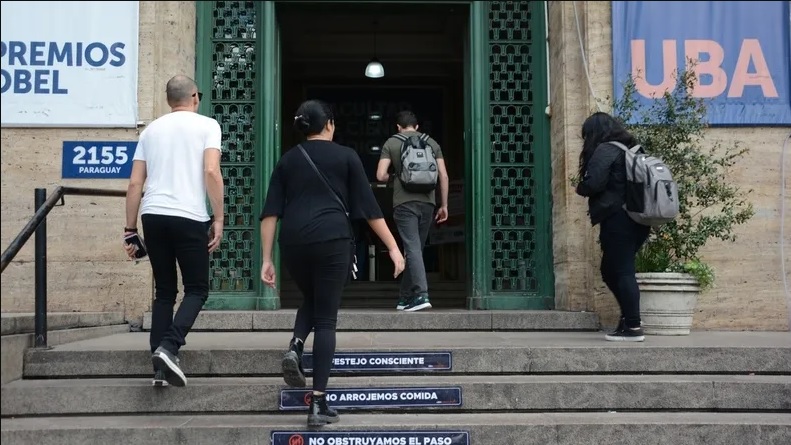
[604,183]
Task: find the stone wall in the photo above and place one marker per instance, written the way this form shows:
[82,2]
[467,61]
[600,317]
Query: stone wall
[87,268]
[748,292]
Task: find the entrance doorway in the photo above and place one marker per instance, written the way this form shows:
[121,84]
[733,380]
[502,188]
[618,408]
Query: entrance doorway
[324,49]
[257,60]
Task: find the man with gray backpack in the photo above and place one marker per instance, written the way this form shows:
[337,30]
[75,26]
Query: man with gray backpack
[419,168]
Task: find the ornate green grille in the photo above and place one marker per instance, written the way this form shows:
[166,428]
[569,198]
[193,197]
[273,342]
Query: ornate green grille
[232,103]
[513,162]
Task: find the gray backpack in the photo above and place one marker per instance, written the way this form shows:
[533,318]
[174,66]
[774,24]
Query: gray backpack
[651,192]
[419,172]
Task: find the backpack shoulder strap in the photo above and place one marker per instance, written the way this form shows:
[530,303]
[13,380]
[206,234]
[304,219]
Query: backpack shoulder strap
[400,137]
[424,137]
[634,150]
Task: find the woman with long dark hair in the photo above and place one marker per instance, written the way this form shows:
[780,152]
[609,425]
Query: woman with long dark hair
[602,170]
[316,190]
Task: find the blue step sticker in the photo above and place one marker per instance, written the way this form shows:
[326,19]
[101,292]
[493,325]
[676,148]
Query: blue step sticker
[361,398]
[371,438]
[386,361]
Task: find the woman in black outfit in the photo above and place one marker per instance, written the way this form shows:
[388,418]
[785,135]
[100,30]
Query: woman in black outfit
[602,168]
[316,240]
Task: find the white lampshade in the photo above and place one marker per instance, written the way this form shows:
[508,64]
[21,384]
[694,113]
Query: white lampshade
[374,70]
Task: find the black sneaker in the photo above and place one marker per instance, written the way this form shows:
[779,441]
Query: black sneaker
[627,334]
[168,364]
[293,373]
[418,304]
[159,379]
[320,414]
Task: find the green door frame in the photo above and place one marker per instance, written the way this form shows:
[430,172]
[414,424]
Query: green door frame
[477,157]
[477,141]
[268,126]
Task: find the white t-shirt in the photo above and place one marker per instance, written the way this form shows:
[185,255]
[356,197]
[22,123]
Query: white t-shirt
[172,147]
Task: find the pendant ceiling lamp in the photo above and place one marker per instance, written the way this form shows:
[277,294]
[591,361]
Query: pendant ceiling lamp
[374,69]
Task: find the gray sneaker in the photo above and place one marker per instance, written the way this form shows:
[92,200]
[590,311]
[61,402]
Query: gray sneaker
[168,363]
[159,379]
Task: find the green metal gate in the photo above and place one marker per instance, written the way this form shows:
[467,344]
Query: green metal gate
[226,71]
[513,261]
[506,134]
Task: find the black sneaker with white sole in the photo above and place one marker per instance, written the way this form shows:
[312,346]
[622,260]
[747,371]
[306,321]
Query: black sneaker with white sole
[626,334]
[418,303]
[159,379]
[168,363]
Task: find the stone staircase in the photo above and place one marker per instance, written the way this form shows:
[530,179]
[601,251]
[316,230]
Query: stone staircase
[440,377]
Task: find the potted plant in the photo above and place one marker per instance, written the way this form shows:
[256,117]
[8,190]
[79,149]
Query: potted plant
[670,270]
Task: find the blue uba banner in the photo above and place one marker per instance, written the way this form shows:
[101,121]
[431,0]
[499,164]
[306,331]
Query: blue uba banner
[357,398]
[98,159]
[741,51]
[370,438]
[349,362]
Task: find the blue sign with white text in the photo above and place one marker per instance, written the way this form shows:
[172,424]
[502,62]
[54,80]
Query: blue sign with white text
[741,52]
[98,160]
[370,438]
[356,398]
[385,361]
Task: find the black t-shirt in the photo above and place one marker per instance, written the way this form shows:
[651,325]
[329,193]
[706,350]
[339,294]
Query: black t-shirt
[306,208]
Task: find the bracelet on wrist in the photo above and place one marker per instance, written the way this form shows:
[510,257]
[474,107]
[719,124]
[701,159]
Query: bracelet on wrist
[128,230]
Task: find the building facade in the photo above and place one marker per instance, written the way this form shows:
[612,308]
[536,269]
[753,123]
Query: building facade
[522,97]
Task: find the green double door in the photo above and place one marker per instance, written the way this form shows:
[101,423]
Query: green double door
[507,152]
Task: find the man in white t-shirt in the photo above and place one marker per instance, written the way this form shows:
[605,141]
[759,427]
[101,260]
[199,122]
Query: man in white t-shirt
[178,160]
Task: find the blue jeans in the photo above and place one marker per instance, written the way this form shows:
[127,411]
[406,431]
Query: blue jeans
[413,220]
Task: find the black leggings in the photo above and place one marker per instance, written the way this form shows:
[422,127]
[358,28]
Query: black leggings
[321,271]
[621,239]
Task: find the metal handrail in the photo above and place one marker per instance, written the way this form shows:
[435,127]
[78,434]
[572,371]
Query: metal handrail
[38,225]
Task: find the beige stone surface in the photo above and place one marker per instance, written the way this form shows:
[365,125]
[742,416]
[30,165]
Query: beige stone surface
[88,270]
[748,292]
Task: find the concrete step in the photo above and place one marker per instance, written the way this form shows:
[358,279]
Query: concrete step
[24,322]
[398,394]
[392,320]
[13,347]
[683,428]
[259,353]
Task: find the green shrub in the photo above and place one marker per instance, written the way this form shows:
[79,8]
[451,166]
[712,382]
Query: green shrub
[711,204]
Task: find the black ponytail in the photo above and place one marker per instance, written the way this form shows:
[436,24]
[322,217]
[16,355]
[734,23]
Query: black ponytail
[312,116]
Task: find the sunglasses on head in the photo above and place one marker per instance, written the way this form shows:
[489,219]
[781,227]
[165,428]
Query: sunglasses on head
[199,94]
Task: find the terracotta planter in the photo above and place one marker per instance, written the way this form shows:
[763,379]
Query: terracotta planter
[667,302]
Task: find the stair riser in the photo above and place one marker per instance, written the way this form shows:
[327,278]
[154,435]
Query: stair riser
[392,320]
[541,434]
[247,362]
[205,396]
